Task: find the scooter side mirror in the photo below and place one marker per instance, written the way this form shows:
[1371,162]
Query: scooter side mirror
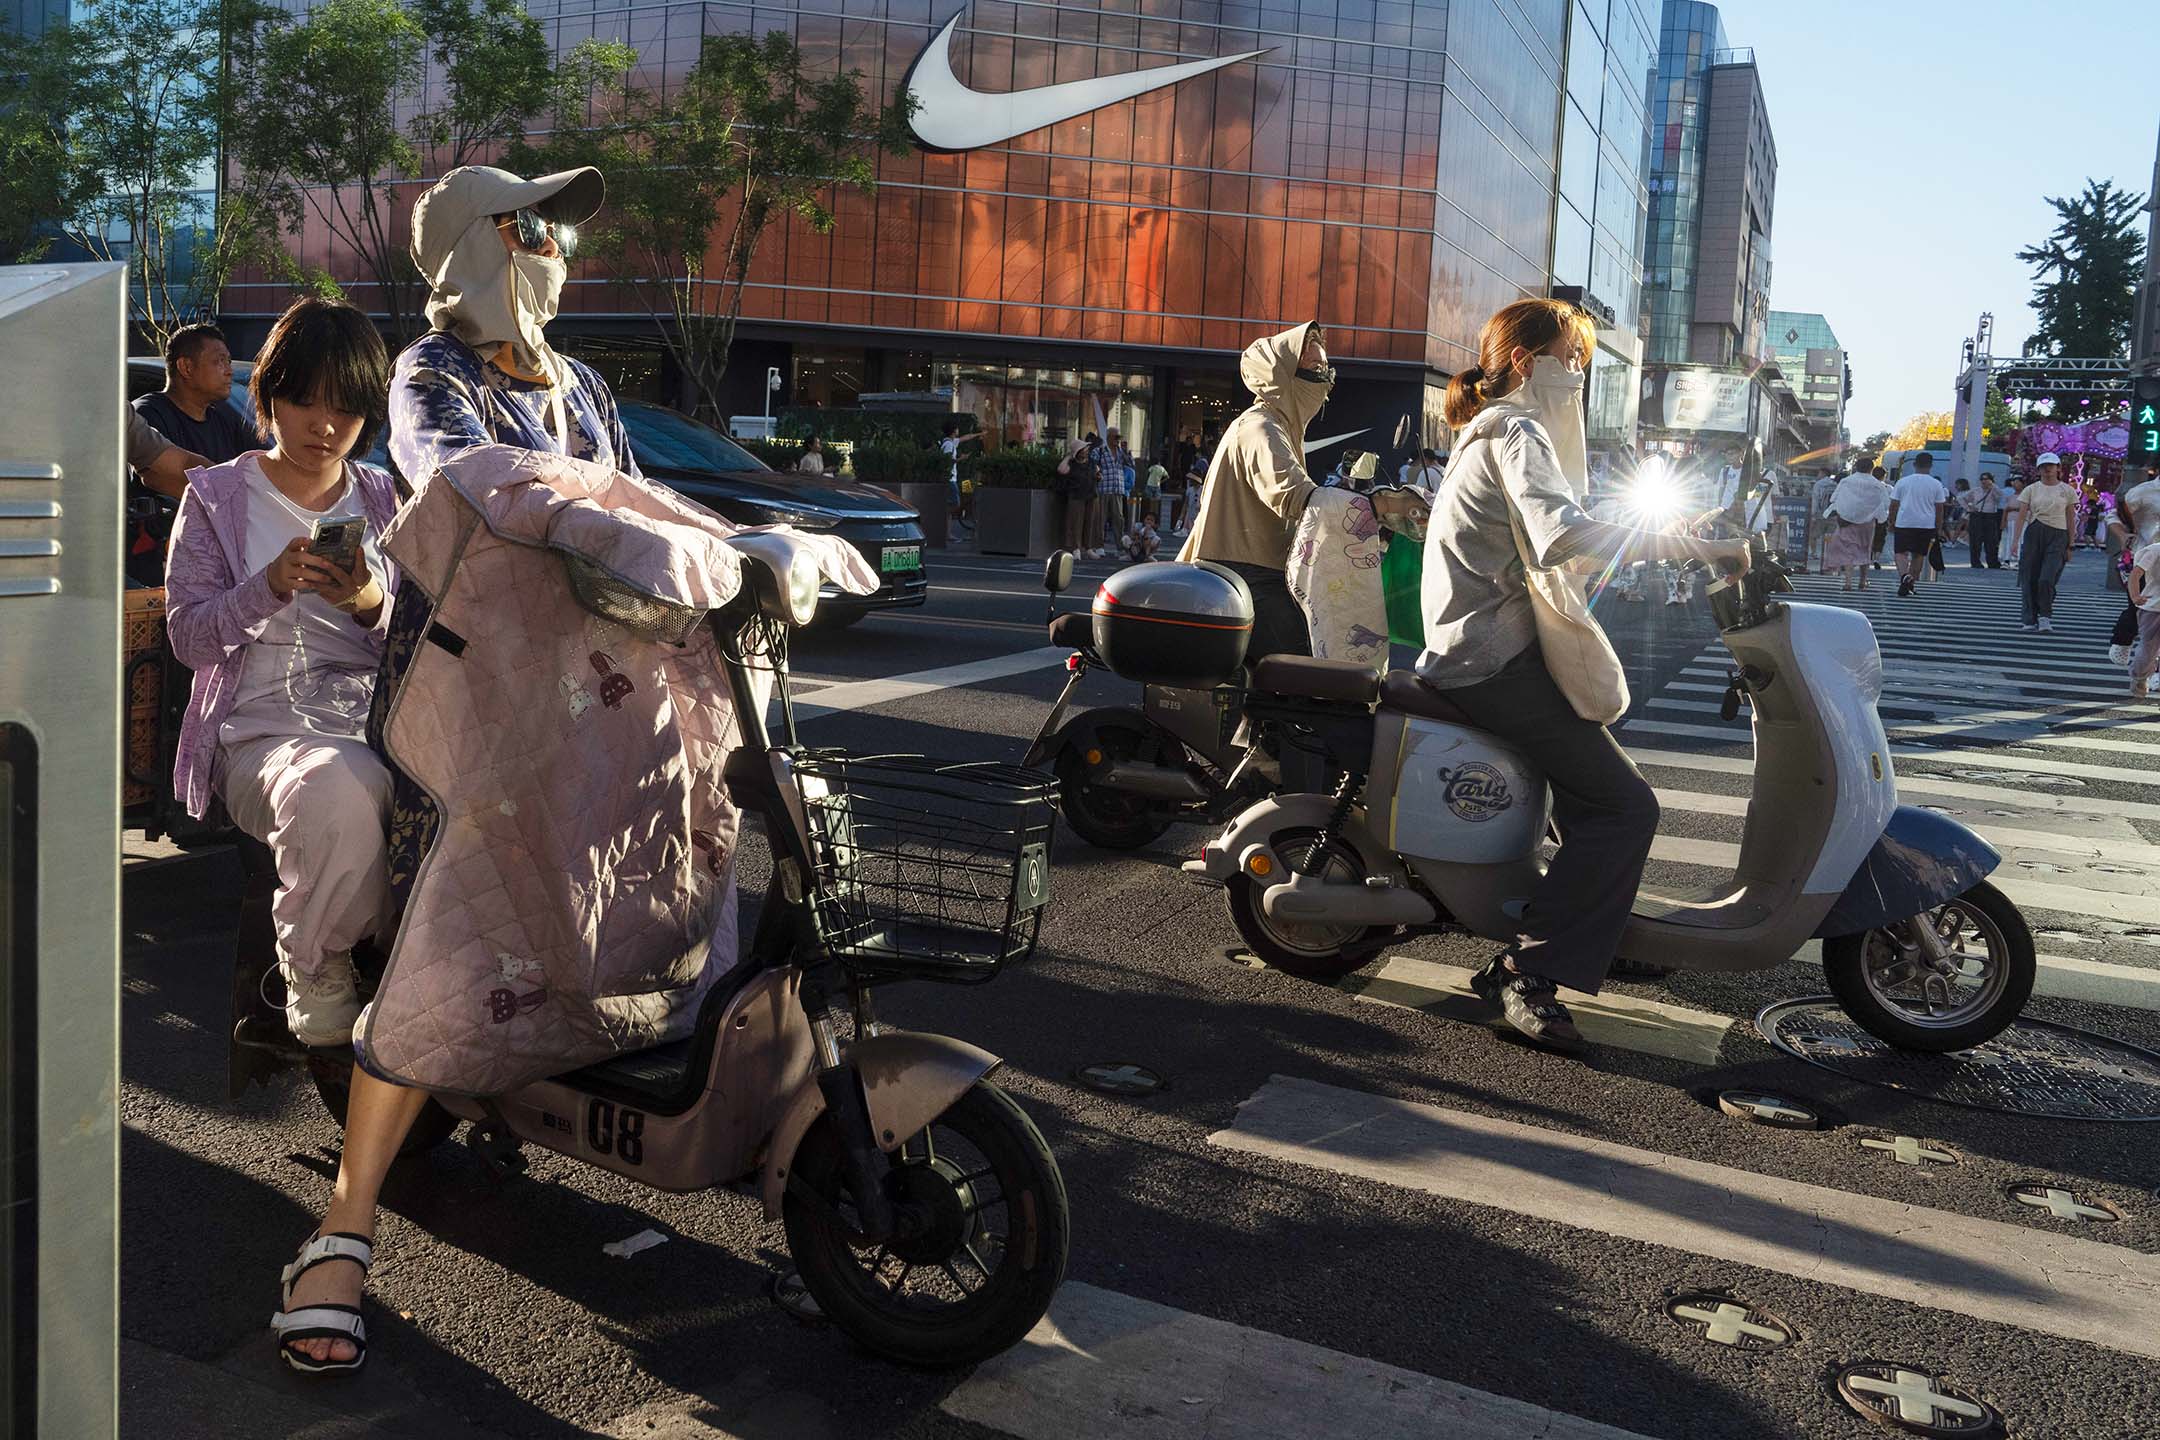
[1058,572]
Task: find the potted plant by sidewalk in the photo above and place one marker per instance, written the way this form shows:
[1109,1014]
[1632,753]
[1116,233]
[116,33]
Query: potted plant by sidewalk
[1016,510]
[916,475]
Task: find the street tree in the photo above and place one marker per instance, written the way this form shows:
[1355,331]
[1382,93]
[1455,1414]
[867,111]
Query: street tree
[1876,443]
[115,143]
[335,123]
[1915,433]
[698,175]
[41,179]
[2086,273]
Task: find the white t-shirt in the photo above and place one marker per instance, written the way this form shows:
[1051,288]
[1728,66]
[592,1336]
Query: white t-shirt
[312,670]
[2148,560]
[1915,498]
[951,446]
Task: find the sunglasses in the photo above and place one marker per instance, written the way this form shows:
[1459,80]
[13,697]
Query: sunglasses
[533,231]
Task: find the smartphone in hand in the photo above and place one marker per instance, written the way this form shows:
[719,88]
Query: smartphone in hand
[336,538]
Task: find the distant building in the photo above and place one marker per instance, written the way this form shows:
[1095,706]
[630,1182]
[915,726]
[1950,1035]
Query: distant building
[1807,353]
[1706,279]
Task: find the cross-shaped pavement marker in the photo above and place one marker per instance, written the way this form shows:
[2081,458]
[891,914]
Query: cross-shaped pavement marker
[1727,1324]
[1767,1108]
[1121,1079]
[1908,1151]
[1914,1397]
[2059,1203]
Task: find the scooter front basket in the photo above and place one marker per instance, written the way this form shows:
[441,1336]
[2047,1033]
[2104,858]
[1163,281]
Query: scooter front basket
[926,869]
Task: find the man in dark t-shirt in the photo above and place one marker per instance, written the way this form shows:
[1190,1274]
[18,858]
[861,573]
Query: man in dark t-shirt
[191,411]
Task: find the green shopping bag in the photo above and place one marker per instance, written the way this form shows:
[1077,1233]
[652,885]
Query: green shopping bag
[1402,580]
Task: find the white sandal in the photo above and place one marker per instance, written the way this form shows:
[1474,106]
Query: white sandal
[323,1322]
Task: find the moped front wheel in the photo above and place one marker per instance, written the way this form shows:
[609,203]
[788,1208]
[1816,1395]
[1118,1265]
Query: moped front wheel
[1887,981]
[984,1242]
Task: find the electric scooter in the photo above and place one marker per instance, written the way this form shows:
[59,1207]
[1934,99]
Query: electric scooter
[1185,755]
[923,1208]
[1434,824]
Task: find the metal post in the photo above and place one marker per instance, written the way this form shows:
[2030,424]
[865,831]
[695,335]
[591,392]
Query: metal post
[1972,406]
[2145,327]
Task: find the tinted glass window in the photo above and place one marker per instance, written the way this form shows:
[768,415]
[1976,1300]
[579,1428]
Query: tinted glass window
[662,439]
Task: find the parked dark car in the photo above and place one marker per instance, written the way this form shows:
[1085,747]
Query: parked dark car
[708,467]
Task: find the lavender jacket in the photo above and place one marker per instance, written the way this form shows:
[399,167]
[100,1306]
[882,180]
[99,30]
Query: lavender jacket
[214,608]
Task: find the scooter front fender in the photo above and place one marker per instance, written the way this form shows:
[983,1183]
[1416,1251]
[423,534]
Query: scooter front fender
[1921,860]
[1255,827]
[909,1079]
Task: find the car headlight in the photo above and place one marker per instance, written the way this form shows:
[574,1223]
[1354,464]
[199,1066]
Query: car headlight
[787,515]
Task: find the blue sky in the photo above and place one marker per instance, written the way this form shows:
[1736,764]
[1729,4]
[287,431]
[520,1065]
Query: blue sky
[1917,141]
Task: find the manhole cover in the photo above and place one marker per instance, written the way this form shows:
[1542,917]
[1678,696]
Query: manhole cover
[2032,1068]
[1765,1108]
[1721,1320]
[1120,1079]
[2062,1204]
[1914,1401]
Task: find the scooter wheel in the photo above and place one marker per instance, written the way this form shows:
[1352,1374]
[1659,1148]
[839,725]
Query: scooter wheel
[1103,818]
[333,1084]
[1885,983]
[985,1247]
[1311,952]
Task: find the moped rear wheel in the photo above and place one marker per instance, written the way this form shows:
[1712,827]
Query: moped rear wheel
[333,1084]
[1886,982]
[1310,950]
[1103,817]
[984,1253]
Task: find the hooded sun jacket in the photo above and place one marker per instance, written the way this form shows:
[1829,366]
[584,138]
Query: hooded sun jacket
[1256,485]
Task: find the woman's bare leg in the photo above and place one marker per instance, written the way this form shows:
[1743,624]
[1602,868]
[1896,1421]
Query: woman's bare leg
[376,1119]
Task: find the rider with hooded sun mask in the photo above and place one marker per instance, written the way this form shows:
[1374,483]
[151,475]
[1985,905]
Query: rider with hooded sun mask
[1257,485]
[1507,522]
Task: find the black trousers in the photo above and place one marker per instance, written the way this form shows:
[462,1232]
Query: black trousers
[1279,626]
[1605,811]
[1983,539]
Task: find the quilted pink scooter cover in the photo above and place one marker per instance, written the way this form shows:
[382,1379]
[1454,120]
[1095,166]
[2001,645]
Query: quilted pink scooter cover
[579,897]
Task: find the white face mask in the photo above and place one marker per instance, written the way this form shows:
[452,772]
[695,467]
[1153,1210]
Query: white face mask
[536,284]
[1555,395]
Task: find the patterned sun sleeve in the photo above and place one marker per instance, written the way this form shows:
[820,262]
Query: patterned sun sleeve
[434,414]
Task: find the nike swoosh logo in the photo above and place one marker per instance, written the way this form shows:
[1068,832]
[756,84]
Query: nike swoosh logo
[950,116]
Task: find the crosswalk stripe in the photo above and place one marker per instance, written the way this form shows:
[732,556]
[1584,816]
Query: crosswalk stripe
[2130,898]
[2021,1275]
[2067,977]
[1982,759]
[1630,1022]
[863,694]
[1918,782]
[1102,1363]
[1970,688]
[2003,732]
[2132,718]
[2123,845]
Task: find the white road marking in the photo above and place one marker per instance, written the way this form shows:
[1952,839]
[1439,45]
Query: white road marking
[1983,759]
[2131,898]
[1631,1022]
[2083,737]
[2096,837]
[1101,1363]
[863,694]
[2021,1275]
[1914,783]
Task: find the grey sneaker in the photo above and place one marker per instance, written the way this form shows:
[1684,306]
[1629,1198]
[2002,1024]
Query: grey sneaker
[322,1007]
[1530,1003]
[2046,625]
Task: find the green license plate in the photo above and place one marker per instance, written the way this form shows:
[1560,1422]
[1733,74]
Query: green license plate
[900,557]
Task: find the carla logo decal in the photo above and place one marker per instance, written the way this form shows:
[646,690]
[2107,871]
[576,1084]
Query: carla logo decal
[1475,791]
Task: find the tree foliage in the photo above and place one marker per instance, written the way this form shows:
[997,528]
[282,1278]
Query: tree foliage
[335,121]
[696,177]
[2085,274]
[1914,433]
[41,181]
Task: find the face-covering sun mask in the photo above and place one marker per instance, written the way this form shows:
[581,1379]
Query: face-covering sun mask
[1555,395]
[536,284]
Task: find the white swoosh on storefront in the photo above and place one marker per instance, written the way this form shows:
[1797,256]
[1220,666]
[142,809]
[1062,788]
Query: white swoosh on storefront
[950,116]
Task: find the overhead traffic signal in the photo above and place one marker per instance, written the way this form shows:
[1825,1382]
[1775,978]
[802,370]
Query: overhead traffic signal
[2145,419]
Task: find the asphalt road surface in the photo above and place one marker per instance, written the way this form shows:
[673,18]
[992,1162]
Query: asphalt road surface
[1351,1210]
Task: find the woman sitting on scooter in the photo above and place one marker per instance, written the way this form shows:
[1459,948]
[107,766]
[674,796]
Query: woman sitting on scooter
[492,246]
[1517,497]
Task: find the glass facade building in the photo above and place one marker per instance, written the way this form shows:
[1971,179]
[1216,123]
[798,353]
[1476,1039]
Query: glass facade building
[1807,351]
[1398,169]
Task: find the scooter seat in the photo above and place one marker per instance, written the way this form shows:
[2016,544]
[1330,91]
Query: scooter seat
[1402,690]
[1302,675]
